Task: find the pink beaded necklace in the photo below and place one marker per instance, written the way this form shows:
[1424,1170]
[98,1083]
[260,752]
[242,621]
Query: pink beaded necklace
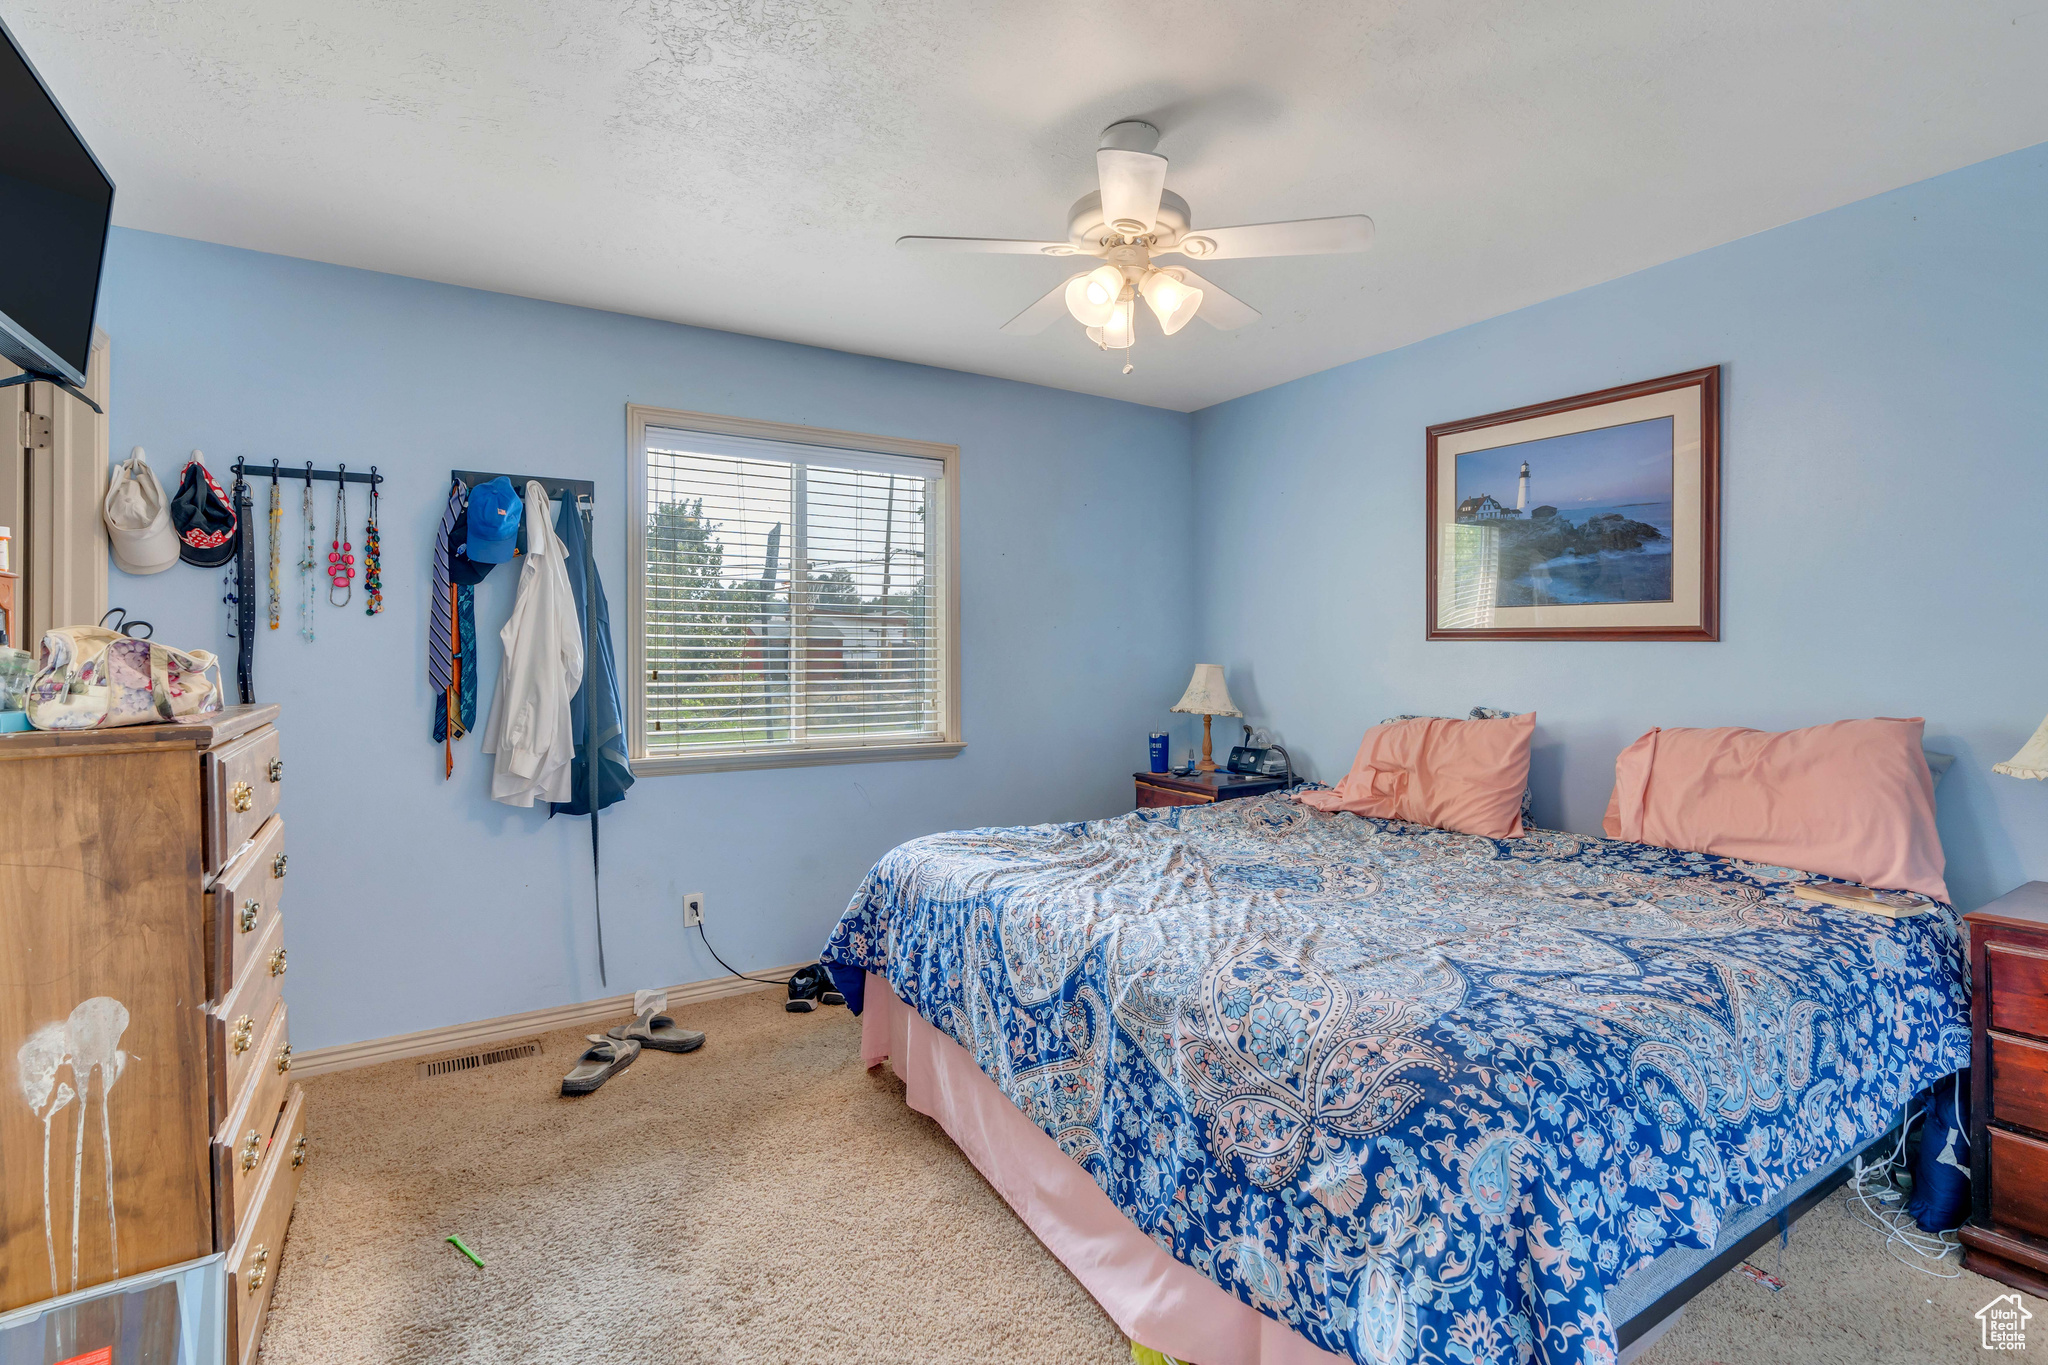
[341,562]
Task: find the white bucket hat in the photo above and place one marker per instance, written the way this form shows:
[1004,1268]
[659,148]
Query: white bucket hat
[138,518]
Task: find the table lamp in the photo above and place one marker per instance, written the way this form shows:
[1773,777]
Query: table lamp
[1207,696]
[2031,760]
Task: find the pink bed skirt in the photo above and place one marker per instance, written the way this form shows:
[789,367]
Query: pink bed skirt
[1156,1300]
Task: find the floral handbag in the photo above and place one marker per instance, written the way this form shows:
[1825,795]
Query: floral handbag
[90,678]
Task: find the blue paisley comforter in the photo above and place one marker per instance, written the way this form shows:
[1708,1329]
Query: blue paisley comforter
[1423,1096]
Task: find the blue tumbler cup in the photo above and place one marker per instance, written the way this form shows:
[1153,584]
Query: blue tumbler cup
[1160,763]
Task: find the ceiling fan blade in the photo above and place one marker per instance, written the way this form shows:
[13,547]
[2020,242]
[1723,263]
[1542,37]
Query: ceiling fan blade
[1043,313]
[1219,309]
[1302,237]
[1131,185]
[1001,246]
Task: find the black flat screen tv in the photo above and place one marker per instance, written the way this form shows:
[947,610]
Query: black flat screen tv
[55,205]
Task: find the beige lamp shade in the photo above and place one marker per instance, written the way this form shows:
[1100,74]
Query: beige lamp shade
[2031,760]
[1206,694]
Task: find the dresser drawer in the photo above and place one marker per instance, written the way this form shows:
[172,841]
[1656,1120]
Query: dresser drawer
[242,1139]
[2019,1181]
[2019,1082]
[2019,988]
[240,1021]
[253,1263]
[1150,796]
[245,897]
[239,788]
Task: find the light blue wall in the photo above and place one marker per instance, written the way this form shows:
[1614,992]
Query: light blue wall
[416,902]
[1885,460]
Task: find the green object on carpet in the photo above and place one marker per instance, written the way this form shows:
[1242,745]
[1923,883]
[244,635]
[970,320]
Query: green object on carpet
[1145,1355]
[467,1252]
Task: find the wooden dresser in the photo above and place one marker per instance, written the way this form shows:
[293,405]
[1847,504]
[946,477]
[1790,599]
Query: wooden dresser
[2007,1235]
[141,1004]
[1200,789]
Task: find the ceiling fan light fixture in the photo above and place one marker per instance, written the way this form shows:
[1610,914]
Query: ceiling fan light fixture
[1172,300]
[1092,297]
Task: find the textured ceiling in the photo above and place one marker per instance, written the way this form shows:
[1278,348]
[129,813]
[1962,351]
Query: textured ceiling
[747,164]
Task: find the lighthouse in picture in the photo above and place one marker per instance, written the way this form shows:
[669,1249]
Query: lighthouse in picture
[1522,493]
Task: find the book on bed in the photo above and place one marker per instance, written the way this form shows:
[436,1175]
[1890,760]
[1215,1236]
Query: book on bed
[1849,896]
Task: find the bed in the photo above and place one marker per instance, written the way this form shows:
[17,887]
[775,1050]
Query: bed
[1409,1095]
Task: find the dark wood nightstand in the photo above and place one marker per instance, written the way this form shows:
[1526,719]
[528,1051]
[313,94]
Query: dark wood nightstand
[2007,1235]
[1201,789]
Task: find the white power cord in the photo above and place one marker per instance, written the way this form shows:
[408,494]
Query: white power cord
[1876,1201]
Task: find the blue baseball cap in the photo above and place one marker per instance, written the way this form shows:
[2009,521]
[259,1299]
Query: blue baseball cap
[493,521]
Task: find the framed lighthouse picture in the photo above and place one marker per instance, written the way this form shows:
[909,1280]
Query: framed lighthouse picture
[1588,518]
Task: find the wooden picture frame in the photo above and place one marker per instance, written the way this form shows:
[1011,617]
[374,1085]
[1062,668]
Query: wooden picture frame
[1630,551]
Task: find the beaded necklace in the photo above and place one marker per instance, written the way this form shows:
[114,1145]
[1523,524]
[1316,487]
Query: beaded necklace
[341,564]
[276,523]
[373,555]
[306,602]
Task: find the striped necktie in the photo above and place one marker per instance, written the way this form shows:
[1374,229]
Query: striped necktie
[441,631]
[441,635]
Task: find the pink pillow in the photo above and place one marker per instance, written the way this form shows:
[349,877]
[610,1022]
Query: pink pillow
[1853,799]
[1465,775]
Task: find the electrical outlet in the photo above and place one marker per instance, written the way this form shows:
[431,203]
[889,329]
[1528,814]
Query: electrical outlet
[693,908]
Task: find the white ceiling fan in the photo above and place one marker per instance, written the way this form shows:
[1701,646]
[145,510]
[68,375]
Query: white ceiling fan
[1129,221]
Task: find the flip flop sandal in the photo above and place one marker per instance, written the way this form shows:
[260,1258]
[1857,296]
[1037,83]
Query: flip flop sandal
[606,1058]
[659,1032]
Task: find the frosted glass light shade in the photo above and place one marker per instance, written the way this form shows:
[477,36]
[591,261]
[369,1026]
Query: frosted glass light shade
[1121,330]
[1206,694]
[1171,300]
[2031,760]
[1092,298]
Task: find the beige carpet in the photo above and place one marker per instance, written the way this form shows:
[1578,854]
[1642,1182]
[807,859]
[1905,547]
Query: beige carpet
[767,1200]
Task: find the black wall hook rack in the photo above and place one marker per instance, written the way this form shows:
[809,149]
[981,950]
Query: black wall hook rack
[284,472]
[583,489]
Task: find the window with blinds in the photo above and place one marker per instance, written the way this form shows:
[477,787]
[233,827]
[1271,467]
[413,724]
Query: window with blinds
[792,599]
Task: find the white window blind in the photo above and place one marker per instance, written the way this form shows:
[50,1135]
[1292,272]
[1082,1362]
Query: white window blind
[792,597]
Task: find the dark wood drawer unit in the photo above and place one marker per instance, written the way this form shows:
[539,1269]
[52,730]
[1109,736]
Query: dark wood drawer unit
[1200,789]
[2019,1196]
[2019,988]
[2019,1082]
[2007,1235]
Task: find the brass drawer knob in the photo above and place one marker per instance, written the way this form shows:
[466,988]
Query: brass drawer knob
[277,965]
[277,770]
[284,1058]
[299,1152]
[252,1150]
[241,796]
[259,1267]
[244,1034]
[277,866]
[247,919]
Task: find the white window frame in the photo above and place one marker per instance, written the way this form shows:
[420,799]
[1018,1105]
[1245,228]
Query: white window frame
[950,742]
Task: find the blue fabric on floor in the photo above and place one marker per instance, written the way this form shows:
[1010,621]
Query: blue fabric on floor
[1941,1175]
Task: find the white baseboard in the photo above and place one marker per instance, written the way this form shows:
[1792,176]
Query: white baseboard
[505,1028]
